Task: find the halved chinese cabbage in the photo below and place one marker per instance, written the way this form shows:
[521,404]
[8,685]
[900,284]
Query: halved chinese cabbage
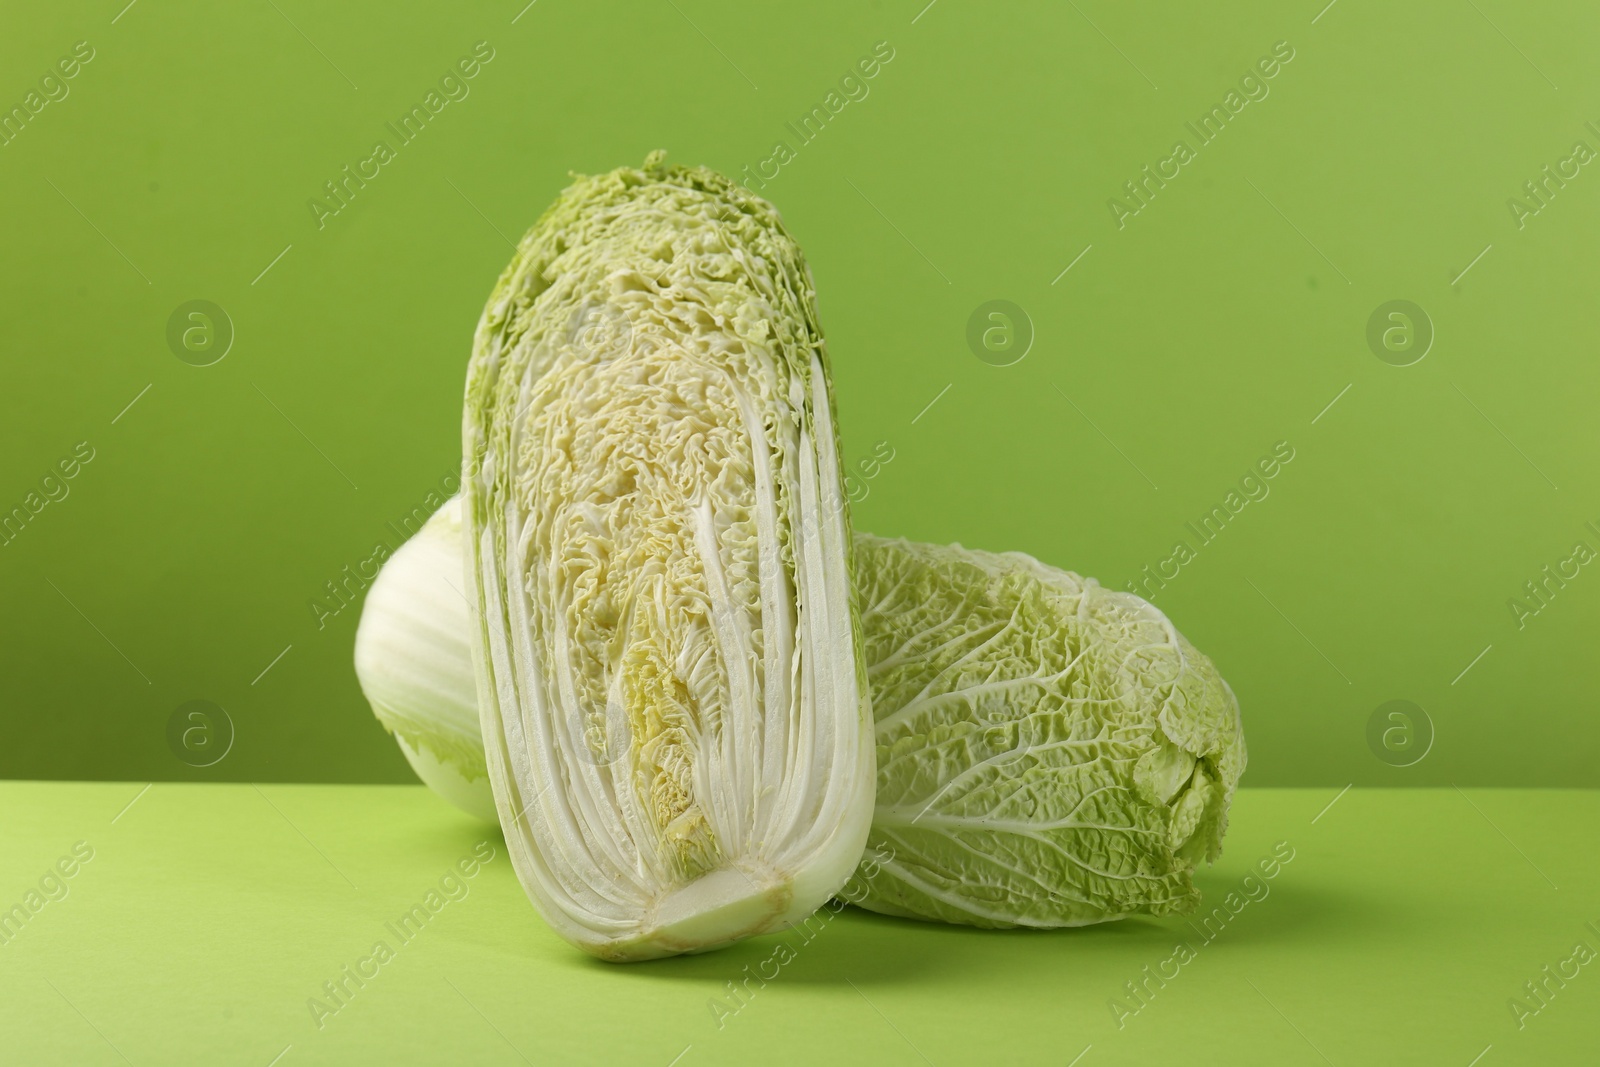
[1050,752]
[676,720]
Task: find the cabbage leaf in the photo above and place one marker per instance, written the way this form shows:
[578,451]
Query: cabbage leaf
[1050,752]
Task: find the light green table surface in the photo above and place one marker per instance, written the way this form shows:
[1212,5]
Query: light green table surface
[209,915]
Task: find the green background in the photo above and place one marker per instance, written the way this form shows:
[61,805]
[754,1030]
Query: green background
[1222,319]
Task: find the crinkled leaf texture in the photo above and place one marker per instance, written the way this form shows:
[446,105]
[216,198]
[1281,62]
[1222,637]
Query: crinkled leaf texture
[1050,752]
[673,704]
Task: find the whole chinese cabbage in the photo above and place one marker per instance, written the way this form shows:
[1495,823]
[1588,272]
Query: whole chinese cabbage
[676,721]
[1050,752]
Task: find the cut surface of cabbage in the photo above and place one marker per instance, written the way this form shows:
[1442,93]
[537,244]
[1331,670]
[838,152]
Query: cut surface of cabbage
[674,711]
[1050,752]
